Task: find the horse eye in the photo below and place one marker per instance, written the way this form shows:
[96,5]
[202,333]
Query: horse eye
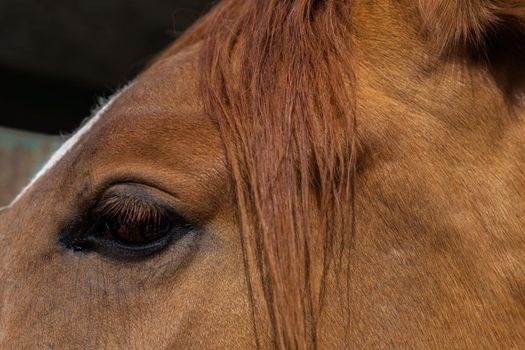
[128,226]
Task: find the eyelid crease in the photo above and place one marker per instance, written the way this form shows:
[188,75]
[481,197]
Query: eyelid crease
[131,179]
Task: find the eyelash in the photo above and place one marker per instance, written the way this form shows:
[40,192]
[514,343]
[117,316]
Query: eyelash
[149,228]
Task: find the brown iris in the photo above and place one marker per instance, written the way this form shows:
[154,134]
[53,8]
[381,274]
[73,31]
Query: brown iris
[131,220]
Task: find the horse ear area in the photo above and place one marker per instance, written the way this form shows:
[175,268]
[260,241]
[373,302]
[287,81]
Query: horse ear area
[470,25]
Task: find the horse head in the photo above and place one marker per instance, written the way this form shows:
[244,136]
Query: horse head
[290,174]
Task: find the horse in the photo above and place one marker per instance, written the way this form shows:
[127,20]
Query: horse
[292,174]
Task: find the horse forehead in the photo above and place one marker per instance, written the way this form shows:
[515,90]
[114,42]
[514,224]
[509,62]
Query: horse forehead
[159,121]
[171,81]
[169,88]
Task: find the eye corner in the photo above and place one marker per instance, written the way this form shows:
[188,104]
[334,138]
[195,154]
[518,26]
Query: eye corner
[72,243]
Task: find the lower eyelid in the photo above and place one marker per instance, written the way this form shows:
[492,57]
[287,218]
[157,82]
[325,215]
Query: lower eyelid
[119,250]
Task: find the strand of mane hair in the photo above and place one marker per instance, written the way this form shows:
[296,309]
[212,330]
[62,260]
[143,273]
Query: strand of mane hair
[276,79]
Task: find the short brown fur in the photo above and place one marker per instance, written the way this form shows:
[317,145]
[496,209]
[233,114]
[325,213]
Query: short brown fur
[358,188]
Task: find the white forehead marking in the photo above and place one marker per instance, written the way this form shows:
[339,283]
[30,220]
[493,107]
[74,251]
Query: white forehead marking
[68,145]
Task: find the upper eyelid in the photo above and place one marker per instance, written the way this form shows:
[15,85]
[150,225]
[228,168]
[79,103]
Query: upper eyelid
[149,197]
[131,208]
[106,184]
[137,192]
[87,214]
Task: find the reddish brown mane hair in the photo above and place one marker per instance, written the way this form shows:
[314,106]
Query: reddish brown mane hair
[276,79]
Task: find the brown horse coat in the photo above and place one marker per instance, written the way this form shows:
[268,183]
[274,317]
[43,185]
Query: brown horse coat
[346,174]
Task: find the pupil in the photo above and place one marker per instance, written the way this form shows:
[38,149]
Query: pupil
[130,233]
[139,233]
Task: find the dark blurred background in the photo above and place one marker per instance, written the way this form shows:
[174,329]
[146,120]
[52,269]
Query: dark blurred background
[57,56]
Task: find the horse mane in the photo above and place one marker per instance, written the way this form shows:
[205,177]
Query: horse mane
[276,78]
[467,24]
